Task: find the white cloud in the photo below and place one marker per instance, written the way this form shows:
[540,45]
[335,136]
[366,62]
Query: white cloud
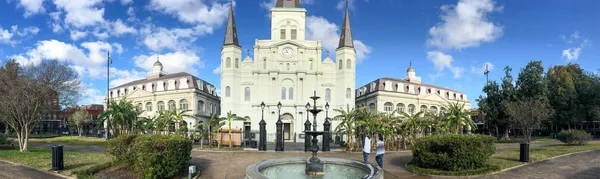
[93,96]
[120,28]
[91,64]
[118,47]
[5,36]
[465,25]
[180,61]
[442,61]
[571,54]
[125,2]
[217,70]
[81,13]
[341,5]
[160,38]
[270,4]
[32,7]
[211,14]
[482,68]
[76,35]
[131,14]
[319,28]
[119,77]
[572,38]
[31,30]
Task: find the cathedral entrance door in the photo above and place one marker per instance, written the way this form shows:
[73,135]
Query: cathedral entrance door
[287,120]
[286,131]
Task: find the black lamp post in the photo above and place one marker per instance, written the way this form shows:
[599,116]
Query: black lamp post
[279,132]
[326,128]
[262,146]
[307,128]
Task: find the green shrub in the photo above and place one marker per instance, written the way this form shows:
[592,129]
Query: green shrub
[4,140]
[574,137]
[153,156]
[121,148]
[453,152]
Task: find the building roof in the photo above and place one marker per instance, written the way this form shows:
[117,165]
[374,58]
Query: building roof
[379,86]
[346,35]
[231,37]
[410,69]
[192,80]
[288,3]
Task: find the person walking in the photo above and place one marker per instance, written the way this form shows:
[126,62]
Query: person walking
[367,148]
[380,151]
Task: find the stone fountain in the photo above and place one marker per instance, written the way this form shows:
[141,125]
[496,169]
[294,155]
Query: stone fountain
[313,167]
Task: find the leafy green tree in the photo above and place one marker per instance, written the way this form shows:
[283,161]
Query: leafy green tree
[79,119]
[531,83]
[562,94]
[202,129]
[177,117]
[413,123]
[528,113]
[229,119]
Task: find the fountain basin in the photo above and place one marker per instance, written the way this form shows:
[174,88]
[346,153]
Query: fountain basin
[294,168]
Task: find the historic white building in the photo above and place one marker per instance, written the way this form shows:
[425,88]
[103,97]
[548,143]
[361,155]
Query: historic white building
[286,68]
[407,95]
[161,91]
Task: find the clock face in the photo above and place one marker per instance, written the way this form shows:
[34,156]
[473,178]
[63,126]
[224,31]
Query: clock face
[288,52]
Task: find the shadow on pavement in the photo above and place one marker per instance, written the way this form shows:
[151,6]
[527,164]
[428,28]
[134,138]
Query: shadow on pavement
[401,161]
[589,173]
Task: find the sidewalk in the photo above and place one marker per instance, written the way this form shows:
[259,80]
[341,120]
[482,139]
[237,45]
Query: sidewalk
[11,171]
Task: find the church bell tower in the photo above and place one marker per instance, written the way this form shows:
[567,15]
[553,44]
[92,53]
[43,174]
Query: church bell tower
[231,56]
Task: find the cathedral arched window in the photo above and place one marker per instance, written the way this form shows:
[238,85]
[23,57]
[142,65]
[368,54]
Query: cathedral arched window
[294,31]
[264,64]
[160,106]
[247,94]
[341,62]
[282,37]
[328,95]
[372,107]
[228,62]
[311,64]
[423,108]
[172,105]
[411,108]
[183,104]
[348,93]
[400,108]
[200,106]
[348,64]
[388,107]
[288,66]
[291,91]
[227,91]
[283,94]
[433,110]
[149,107]
[237,63]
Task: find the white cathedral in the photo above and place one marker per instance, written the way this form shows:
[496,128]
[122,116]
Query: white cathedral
[289,69]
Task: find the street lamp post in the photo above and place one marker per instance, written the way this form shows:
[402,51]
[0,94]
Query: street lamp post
[307,128]
[263,131]
[326,128]
[279,132]
[108,62]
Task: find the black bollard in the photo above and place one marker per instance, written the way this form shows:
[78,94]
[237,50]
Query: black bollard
[262,146]
[326,135]
[57,157]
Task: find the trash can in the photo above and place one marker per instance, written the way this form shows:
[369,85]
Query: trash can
[524,151]
[57,157]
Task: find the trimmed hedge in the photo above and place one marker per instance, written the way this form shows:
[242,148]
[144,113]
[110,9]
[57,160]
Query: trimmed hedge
[453,152]
[574,137]
[426,171]
[152,156]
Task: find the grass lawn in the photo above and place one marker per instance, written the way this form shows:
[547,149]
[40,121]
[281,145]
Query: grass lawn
[72,140]
[42,159]
[510,158]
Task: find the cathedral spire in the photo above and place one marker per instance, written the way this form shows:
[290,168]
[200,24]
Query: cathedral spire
[288,3]
[231,37]
[346,36]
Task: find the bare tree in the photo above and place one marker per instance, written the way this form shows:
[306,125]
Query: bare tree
[528,114]
[27,93]
[79,119]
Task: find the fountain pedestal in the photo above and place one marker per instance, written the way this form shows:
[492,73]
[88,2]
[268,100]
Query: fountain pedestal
[314,167]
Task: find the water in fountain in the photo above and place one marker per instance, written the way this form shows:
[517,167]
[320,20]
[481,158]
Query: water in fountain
[296,171]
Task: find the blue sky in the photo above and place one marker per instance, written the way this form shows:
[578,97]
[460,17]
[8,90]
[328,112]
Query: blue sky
[449,42]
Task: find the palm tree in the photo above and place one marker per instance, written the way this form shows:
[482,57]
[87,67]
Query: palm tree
[162,121]
[146,123]
[120,115]
[413,123]
[366,119]
[230,118]
[203,129]
[458,117]
[178,115]
[347,125]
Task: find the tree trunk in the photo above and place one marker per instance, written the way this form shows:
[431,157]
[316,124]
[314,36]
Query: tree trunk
[210,140]
[505,135]
[79,131]
[202,140]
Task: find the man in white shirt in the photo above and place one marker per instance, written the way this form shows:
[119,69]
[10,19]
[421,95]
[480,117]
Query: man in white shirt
[367,148]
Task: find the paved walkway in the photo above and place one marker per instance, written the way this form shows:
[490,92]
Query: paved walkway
[574,166]
[12,171]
